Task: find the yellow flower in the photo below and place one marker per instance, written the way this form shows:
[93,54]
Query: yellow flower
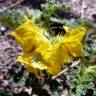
[31,66]
[67,48]
[73,41]
[32,40]
[52,57]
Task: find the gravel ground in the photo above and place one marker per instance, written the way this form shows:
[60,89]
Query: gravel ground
[89,6]
[9,50]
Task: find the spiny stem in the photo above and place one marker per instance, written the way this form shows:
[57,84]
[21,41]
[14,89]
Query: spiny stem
[83,7]
[65,70]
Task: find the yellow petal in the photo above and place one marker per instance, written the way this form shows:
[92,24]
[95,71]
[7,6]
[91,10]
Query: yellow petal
[31,38]
[28,62]
[64,50]
[73,34]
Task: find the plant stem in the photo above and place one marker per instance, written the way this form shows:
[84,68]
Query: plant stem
[65,70]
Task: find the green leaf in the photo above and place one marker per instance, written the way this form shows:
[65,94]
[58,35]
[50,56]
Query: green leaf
[11,18]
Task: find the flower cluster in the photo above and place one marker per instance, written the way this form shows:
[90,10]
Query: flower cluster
[40,54]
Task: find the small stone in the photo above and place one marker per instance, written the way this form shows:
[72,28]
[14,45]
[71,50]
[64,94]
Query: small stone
[2,28]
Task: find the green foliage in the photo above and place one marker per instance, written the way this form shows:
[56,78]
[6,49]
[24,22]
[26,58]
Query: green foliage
[82,78]
[11,18]
[6,93]
[34,14]
[81,81]
[19,77]
[74,23]
[50,8]
[89,51]
[14,18]
[50,11]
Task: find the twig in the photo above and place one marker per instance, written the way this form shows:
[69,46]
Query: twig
[83,7]
[14,5]
[65,70]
